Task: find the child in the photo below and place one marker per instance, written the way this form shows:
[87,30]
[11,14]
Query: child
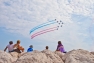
[30,49]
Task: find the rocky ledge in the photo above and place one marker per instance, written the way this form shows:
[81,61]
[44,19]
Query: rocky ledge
[47,56]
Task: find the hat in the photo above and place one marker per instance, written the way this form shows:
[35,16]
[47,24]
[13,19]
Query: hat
[31,46]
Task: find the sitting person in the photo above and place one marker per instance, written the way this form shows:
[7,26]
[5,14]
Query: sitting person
[60,47]
[9,47]
[18,48]
[30,49]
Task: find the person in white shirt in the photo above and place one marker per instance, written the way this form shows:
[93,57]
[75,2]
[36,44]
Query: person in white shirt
[10,47]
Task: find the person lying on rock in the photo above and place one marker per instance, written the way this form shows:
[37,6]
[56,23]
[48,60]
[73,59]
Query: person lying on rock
[9,47]
[60,47]
[30,49]
[18,48]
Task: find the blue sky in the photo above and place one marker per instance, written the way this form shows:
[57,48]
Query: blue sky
[18,17]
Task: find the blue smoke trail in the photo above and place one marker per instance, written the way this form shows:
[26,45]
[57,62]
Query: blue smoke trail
[42,25]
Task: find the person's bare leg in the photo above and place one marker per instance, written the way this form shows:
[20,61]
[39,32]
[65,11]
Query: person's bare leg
[22,49]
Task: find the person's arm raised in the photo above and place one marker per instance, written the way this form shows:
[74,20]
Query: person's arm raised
[5,49]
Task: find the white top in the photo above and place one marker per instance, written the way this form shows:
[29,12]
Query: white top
[10,47]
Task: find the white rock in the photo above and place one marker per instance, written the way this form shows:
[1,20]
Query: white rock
[55,58]
[6,57]
[79,56]
[47,56]
[60,54]
[39,57]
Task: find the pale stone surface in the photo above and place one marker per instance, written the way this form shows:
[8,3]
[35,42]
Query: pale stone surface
[79,56]
[39,57]
[60,54]
[5,57]
[51,55]
[14,54]
[47,56]
[92,53]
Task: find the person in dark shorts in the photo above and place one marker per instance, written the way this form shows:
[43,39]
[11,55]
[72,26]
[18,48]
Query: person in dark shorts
[9,47]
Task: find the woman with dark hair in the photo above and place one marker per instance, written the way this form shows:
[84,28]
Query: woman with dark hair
[60,47]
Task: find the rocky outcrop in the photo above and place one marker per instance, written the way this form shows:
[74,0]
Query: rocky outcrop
[60,54]
[54,57]
[47,56]
[78,56]
[92,53]
[6,57]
